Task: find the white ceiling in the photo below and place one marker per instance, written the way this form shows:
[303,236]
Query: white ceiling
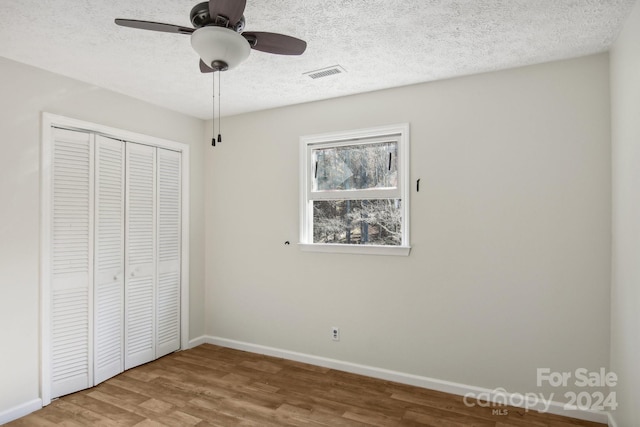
[381,44]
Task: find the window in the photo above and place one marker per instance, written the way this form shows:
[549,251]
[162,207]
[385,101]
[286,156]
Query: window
[354,191]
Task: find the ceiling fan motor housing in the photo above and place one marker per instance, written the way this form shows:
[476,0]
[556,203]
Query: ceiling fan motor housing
[201,17]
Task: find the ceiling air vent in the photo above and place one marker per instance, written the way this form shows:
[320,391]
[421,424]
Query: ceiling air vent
[325,72]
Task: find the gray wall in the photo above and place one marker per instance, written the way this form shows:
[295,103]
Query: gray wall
[26,92]
[510,267]
[625,307]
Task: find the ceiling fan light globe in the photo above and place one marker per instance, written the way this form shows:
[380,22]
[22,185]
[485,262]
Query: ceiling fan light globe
[217,44]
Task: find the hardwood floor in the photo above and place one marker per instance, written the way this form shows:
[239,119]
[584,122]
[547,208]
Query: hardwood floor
[216,386]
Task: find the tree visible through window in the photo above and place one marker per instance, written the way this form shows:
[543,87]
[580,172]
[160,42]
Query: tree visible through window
[374,222]
[354,191]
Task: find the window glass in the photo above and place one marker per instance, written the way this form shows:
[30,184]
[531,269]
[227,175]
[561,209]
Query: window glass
[358,222]
[356,167]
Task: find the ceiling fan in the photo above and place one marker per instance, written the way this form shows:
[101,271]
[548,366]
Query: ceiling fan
[220,40]
[219,37]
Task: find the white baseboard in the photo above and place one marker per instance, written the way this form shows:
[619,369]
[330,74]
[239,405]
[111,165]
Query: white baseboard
[556,408]
[198,341]
[612,421]
[20,411]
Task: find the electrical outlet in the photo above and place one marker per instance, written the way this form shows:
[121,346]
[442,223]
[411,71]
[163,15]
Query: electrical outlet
[335,333]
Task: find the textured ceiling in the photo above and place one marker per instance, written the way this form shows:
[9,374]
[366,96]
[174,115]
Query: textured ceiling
[380,44]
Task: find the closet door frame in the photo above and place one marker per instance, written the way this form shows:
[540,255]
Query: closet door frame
[50,121]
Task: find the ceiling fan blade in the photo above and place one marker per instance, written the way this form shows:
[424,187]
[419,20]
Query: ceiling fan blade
[204,68]
[275,43]
[231,9]
[154,26]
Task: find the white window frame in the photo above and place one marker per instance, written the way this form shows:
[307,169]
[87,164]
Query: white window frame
[399,133]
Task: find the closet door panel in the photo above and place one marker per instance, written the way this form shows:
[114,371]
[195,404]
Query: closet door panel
[71,262]
[109,259]
[169,250]
[140,257]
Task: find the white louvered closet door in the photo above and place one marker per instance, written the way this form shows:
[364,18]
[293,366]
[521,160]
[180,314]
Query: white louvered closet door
[169,249]
[140,255]
[71,252]
[109,259]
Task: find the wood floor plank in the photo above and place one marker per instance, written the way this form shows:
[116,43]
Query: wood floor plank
[215,386]
[438,417]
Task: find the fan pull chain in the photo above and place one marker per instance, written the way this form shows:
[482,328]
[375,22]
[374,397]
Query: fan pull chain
[219,107]
[213,140]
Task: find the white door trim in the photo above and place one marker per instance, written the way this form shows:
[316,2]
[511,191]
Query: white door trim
[51,120]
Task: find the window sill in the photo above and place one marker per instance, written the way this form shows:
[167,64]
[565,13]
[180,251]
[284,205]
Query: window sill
[355,249]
